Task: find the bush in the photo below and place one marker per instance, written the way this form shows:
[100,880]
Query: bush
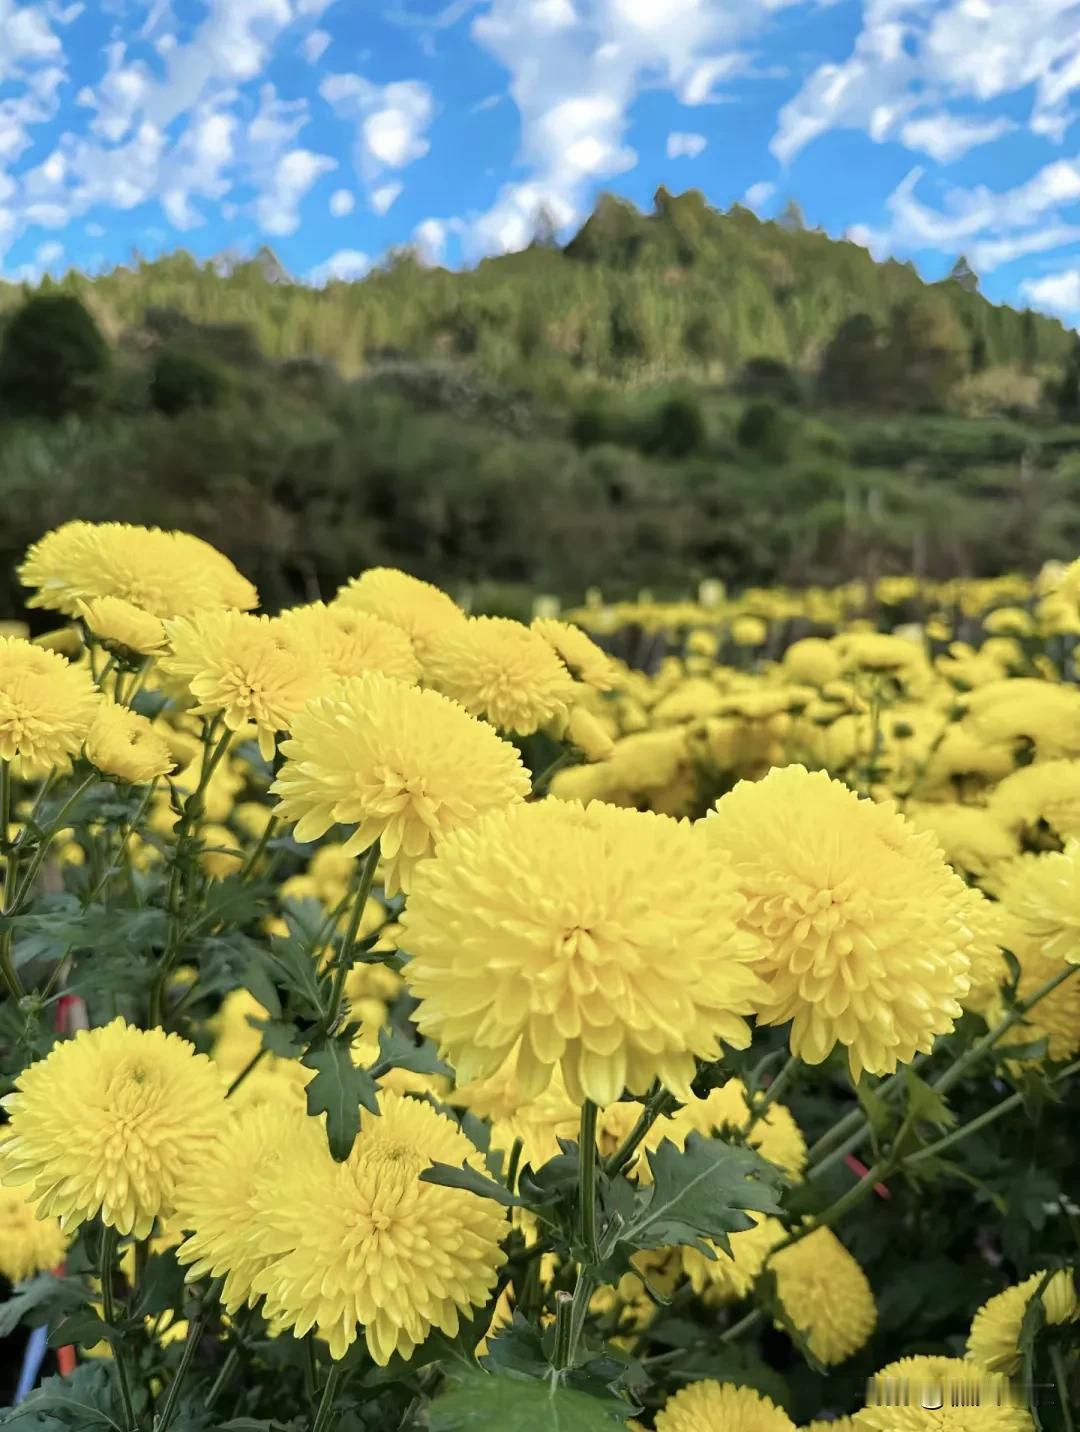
[53,359]
[184,380]
[767,430]
[676,428]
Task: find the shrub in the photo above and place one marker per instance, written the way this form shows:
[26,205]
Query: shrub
[183,380]
[53,359]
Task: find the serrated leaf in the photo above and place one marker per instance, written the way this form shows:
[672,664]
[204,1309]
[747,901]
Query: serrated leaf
[77,1402]
[398,1051]
[500,1402]
[41,1300]
[84,1328]
[279,1037]
[925,1105]
[466,1177]
[338,1090]
[291,965]
[258,982]
[703,1191]
[161,1285]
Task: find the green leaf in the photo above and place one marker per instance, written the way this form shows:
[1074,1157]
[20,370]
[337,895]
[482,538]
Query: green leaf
[291,965]
[505,1403]
[279,1037]
[84,1328]
[41,1300]
[337,1091]
[78,1402]
[258,982]
[466,1177]
[398,1051]
[161,1285]
[703,1191]
[925,1105]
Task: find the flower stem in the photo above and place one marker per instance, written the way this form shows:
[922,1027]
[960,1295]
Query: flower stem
[1061,1377]
[660,1103]
[564,1304]
[108,1309]
[772,1093]
[344,962]
[326,1404]
[252,1063]
[513,1165]
[56,825]
[587,1179]
[753,1319]
[191,1346]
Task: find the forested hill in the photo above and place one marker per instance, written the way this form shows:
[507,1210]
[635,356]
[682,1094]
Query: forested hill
[679,289]
[670,397]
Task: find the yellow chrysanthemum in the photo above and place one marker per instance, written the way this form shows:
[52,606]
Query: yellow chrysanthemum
[581,656]
[730,1276]
[985,920]
[367,1243]
[251,670]
[109,1123]
[812,661]
[47,706]
[973,838]
[861,918]
[835,1424]
[1042,896]
[219,1200]
[941,1394]
[28,1244]
[1046,793]
[404,766]
[167,574]
[1056,1017]
[554,929]
[121,625]
[539,1123]
[500,670]
[776,1135]
[994,1340]
[616,1122]
[826,1295]
[347,642]
[219,855]
[710,1406]
[418,608]
[123,744]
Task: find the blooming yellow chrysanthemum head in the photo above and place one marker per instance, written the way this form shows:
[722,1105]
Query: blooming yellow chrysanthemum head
[120,625]
[861,918]
[109,1123]
[725,1111]
[402,765]
[123,744]
[826,1295]
[28,1244]
[500,670]
[1042,896]
[600,940]
[346,641]
[251,670]
[218,1200]
[994,1340]
[729,1276]
[167,574]
[367,1244]
[710,1406]
[47,707]
[941,1394]
[585,661]
[418,608]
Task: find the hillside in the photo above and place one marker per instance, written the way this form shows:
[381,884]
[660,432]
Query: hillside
[673,396]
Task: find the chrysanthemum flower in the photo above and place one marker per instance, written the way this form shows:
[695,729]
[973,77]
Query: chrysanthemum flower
[1046,793]
[812,661]
[986,921]
[730,1276]
[500,670]
[1056,1017]
[109,1122]
[218,1201]
[994,1340]
[916,1394]
[219,855]
[367,1243]
[708,1406]
[557,929]
[418,608]
[539,1123]
[253,670]
[725,1111]
[835,1424]
[28,1244]
[346,641]
[1026,709]
[118,623]
[973,838]
[167,574]
[47,707]
[616,1122]
[404,766]
[861,918]
[581,656]
[825,1294]
[1042,896]
[123,744]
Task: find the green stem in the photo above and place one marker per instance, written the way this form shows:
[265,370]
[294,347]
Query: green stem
[753,1319]
[228,1367]
[252,1063]
[114,865]
[587,1179]
[344,962]
[772,1093]
[196,1329]
[564,1304]
[326,1404]
[55,826]
[311,1369]
[513,1164]
[1061,1377]
[108,1310]
[660,1104]
[264,840]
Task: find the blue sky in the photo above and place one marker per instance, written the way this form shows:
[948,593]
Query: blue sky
[334,130]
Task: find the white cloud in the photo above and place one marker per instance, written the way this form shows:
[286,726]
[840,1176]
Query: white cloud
[314,46]
[430,240]
[989,254]
[687,146]
[946,137]
[759,195]
[345,265]
[384,197]
[49,254]
[95,231]
[391,120]
[1058,292]
[915,54]
[342,202]
[25,36]
[277,209]
[121,95]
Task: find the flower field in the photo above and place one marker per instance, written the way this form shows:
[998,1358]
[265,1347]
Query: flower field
[662,1015]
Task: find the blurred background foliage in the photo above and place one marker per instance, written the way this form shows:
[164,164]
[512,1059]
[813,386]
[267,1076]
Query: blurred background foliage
[671,396]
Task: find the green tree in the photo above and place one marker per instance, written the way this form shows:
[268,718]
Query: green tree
[53,359]
[926,355]
[852,370]
[184,380]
